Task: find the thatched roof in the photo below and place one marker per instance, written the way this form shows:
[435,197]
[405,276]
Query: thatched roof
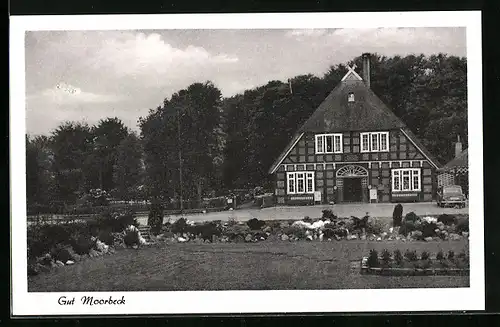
[366,113]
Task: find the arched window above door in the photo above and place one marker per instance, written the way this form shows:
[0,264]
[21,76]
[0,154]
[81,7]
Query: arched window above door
[352,171]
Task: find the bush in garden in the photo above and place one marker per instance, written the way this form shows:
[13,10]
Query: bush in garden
[386,256]
[462,225]
[425,255]
[398,257]
[411,255]
[231,221]
[428,229]
[106,237]
[374,227]
[206,230]
[462,255]
[155,217]
[373,260]
[446,219]
[407,227]
[411,216]
[62,253]
[255,224]
[360,223]
[397,215]
[440,255]
[179,226]
[131,238]
[307,219]
[328,214]
[83,244]
[451,255]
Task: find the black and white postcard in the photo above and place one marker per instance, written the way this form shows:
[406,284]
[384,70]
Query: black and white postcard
[246,163]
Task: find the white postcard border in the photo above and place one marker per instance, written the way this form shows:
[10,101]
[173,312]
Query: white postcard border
[472,298]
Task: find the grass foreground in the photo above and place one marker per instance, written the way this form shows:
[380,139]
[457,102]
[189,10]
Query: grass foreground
[268,265]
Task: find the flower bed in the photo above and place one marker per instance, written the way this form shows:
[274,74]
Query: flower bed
[411,264]
[327,228]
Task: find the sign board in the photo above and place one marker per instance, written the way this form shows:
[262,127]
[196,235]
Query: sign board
[373,194]
[317,196]
[229,200]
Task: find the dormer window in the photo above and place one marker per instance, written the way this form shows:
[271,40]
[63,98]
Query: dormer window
[350,97]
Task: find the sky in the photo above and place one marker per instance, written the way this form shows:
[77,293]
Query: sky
[90,75]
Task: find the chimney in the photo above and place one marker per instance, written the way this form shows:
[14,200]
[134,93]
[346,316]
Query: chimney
[366,68]
[458,147]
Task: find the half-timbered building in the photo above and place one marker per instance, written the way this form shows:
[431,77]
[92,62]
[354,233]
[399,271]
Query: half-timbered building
[354,149]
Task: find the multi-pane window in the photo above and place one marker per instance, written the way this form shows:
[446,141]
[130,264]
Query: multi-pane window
[375,142]
[406,179]
[328,143]
[300,182]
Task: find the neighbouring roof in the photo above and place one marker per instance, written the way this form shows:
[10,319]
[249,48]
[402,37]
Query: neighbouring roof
[462,161]
[366,113]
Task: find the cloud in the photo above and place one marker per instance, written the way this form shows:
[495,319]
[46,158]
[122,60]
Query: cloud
[132,54]
[306,33]
[66,94]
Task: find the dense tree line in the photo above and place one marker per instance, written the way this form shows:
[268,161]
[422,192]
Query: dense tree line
[226,143]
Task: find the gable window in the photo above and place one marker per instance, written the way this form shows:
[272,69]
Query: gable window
[328,143]
[350,97]
[375,142]
[300,182]
[405,180]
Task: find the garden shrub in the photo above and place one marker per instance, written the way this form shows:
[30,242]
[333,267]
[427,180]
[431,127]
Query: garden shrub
[375,227]
[131,238]
[359,223]
[397,215]
[231,221]
[451,255]
[255,224]
[425,255]
[373,260]
[428,229]
[462,225]
[106,237]
[446,219]
[406,228]
[411,216]
[398,257]
[206,230]
[180,226]
[307,219]
[386,256]
[440,255]
[328,214]
[62,253]
[83,244]
[411,255]
[462,255]
[155,217]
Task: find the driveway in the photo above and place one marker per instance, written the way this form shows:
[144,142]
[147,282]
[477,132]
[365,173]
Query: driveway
[299,212]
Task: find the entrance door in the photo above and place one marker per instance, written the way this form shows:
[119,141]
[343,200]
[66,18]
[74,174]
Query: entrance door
[352,190]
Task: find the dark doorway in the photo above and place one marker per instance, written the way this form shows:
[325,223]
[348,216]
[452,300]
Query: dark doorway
[352,190]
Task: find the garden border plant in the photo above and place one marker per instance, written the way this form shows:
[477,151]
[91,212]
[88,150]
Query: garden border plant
[411,264]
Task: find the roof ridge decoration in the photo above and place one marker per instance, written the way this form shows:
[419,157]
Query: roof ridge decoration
[350,72]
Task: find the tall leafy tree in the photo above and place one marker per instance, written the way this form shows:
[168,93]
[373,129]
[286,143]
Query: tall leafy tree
[71,143]
[128,168]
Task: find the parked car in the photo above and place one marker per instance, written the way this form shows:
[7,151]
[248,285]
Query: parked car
[451,195]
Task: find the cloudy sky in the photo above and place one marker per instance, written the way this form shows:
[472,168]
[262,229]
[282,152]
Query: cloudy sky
[89,75]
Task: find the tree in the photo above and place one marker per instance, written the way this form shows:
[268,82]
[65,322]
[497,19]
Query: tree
[128,167]
[39,179]
[71,143]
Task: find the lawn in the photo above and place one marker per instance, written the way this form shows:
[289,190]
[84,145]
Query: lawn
[241,266]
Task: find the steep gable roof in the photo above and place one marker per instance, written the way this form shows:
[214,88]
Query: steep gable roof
[366,113]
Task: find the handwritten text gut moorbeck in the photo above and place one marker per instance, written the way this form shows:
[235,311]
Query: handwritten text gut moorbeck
[90,300]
